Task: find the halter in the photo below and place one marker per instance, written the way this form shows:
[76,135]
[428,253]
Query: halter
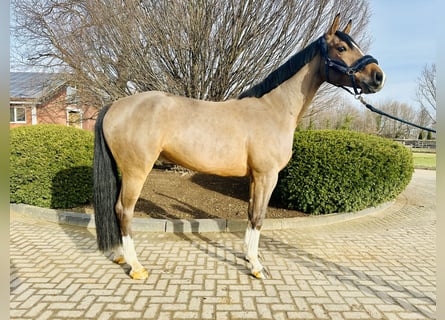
[342,67]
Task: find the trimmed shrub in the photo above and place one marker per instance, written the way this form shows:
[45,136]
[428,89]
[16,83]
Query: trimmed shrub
[342,171]
[50,166]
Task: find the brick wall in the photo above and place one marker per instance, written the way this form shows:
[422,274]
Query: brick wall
[56,111]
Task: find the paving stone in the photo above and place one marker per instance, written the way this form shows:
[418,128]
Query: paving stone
[379,266]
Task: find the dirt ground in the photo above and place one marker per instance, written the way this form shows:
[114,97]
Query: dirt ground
[179,194]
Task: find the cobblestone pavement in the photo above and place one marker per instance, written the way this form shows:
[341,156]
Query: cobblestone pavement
[380,266]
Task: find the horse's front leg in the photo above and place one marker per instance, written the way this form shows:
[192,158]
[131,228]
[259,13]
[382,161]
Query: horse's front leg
[261,188]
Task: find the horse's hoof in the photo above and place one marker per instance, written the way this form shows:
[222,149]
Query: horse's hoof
[262,274]
[259,274]
[119,260]
[141,274]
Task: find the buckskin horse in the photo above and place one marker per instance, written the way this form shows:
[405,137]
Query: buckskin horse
[251,135]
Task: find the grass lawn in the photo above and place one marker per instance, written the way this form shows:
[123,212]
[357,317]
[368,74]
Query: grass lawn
[424,160]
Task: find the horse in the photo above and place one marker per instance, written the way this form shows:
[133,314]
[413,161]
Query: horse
[250,135]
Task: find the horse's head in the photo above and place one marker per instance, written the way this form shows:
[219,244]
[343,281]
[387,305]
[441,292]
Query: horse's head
[344,64]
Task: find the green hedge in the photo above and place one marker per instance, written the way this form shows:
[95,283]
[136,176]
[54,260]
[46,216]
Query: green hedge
[342,171]
[51,166]
[330,171]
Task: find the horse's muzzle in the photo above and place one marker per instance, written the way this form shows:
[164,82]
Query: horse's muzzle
[375,82]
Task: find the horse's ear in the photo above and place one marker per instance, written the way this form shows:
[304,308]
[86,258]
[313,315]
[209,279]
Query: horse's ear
[348,27]
[334,26]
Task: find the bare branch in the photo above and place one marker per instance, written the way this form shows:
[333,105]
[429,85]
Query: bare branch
[206,49]
[426,91]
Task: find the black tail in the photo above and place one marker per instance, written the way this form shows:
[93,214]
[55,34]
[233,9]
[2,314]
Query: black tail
[106,190]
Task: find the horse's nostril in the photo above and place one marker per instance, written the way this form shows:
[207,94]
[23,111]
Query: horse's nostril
[378,77]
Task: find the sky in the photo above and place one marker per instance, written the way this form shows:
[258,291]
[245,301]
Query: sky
[403,41]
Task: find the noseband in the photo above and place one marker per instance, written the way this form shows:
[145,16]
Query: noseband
[342,67]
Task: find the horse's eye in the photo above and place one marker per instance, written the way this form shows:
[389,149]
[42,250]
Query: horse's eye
[341,49]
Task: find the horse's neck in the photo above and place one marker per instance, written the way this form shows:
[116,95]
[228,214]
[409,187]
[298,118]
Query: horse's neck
[295,95]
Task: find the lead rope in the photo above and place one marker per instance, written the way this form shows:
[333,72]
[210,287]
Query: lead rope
[370,107]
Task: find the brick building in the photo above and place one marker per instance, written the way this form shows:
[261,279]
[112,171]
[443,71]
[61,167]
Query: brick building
[37,98]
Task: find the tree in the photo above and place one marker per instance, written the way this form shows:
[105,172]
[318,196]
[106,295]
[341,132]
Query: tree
[390,128]
[426,93]
[206,49]
[341,114]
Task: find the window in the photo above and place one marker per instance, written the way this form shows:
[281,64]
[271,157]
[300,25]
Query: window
[17,114]
[74,118]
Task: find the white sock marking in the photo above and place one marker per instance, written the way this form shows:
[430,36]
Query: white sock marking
[130,253]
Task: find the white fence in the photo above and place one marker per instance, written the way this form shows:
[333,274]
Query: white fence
[418,144]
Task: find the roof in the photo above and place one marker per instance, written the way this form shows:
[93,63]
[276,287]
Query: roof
[33,85]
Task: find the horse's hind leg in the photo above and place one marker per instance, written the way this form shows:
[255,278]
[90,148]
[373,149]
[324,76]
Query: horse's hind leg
[131,188]
[118,255]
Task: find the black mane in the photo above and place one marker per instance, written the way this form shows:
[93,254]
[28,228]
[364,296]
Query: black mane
[284,72]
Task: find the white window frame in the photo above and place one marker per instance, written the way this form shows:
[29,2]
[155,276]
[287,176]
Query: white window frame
[74,110]
[14,108]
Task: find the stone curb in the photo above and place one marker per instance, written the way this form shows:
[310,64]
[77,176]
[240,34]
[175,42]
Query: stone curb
[195,225]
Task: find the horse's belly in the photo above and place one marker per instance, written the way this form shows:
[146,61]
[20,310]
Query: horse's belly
[216,158]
